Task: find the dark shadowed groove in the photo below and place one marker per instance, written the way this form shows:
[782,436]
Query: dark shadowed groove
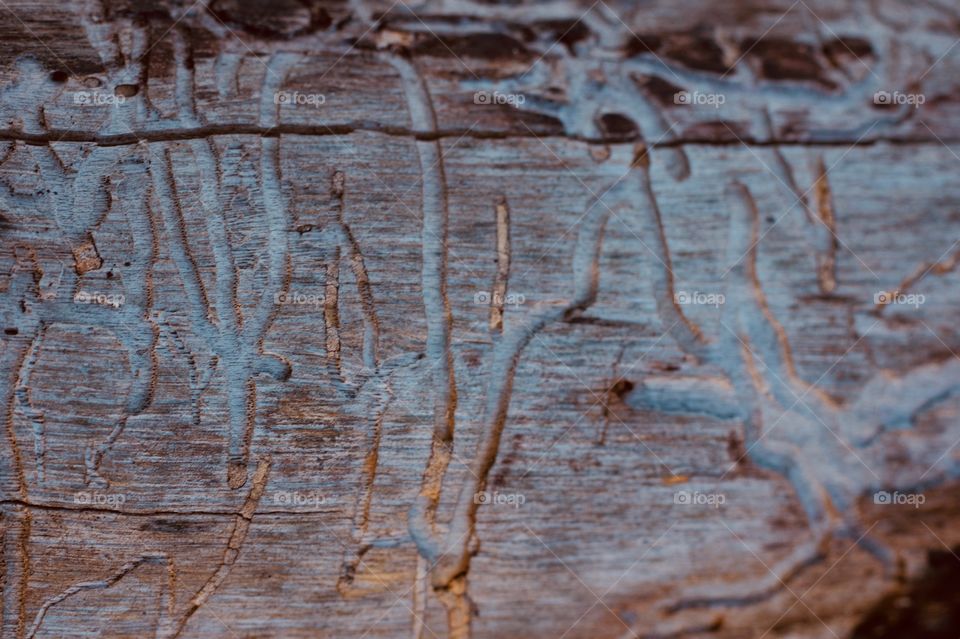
[241,526]
[168,203]
[137,331]
[22,392]
[172,133]
[211,200]
[436,307]
[891,402]
[801,450]
[818,226]
[347,241]
[449,577]
[102,584]
[499,293]
[361,516]
[734,355]
[331,311]
[237,369]
[167,628]
[768,337]
[274,202]
[275,207]
[12,356]
[826,228]
[638,194]
[946,264]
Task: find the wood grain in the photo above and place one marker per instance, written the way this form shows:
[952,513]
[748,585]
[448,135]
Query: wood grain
[472,319]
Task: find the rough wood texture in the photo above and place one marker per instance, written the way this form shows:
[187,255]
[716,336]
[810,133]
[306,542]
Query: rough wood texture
[476,319]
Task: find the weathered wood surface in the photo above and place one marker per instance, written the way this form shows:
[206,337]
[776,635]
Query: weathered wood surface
[282,296]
